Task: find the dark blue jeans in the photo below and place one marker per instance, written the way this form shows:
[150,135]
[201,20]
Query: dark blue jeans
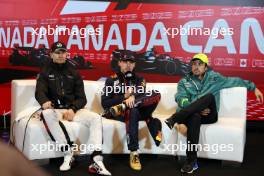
[143,111]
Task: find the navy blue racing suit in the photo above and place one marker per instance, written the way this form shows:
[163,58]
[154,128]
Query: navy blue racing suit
[145,104]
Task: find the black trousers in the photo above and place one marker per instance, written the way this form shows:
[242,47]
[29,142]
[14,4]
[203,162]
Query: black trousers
[191,117]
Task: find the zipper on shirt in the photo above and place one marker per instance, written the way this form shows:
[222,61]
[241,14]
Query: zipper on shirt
[197,89]
[61,84]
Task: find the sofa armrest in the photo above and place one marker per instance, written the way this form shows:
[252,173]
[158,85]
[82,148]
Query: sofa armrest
[233,102]
[22,96]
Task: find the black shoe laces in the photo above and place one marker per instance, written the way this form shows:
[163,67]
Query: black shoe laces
[136,159]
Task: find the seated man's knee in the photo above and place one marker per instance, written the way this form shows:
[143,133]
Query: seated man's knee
[196,118]
[155,97]
[89,114]
[209,96]
[134,110]
[214,120]
[156,93]
[48,113]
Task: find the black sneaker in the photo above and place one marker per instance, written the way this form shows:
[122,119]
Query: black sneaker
[189,166]
[169,123]
[154,126]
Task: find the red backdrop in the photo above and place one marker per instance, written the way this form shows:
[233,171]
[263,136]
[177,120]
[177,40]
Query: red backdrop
[139,27]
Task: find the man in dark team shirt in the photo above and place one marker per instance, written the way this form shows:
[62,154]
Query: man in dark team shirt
[125,98]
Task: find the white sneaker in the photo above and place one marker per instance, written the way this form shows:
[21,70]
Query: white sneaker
[68,160]
[97,167]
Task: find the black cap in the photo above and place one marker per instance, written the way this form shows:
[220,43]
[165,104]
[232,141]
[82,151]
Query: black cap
[127,56]
[58,46]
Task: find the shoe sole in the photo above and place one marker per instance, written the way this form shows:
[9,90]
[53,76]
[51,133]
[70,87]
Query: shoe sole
[136,169]
[190,172]
[159,133]
[94,171]
[139,169]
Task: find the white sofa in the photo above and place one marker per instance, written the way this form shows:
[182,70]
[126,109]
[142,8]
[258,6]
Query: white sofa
[230,128]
